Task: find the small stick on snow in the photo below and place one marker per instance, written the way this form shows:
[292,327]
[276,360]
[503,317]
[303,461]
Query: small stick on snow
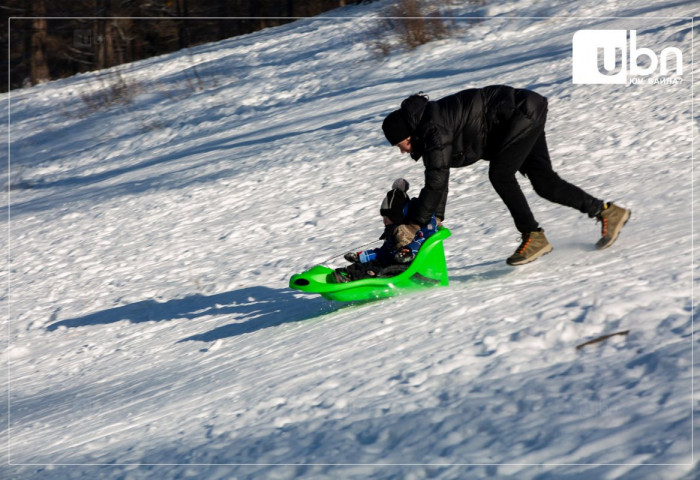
[600,339]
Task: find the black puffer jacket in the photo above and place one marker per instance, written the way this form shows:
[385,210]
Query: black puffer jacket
[462,128]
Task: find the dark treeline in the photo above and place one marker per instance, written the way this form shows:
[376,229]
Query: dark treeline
[47,46]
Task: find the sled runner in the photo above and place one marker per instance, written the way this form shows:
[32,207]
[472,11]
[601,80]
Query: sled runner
[428,269]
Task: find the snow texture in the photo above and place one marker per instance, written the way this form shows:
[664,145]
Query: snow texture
[151,333]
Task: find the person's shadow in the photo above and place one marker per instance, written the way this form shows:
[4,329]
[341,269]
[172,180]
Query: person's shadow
[252,308]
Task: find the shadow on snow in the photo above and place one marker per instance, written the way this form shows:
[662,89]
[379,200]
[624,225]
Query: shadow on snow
[253,308]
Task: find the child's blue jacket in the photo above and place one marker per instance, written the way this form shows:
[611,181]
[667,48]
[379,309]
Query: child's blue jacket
[385,253]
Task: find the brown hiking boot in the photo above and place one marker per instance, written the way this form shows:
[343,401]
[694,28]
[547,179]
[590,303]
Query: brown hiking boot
[613,219]
[533,246]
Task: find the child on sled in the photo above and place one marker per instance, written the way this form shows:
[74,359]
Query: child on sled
[387,260]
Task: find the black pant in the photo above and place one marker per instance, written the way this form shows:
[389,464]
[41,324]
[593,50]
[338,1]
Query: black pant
[372,269]
[530,157]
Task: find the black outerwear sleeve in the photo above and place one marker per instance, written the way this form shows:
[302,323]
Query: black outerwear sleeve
[433,196]
[440,212]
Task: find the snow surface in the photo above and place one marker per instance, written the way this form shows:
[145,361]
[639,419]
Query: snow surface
[151,333]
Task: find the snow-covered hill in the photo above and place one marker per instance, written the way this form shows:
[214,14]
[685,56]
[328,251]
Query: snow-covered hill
[151,333]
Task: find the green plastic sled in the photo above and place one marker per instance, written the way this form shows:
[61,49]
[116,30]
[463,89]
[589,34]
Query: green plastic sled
[428,269]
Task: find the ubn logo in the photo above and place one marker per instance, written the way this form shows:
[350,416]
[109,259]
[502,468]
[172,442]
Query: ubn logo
[590,45]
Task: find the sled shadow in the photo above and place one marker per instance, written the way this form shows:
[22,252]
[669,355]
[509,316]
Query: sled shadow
[253,308]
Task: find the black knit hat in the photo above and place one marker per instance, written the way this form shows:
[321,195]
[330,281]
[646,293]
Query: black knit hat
[395,201]
[396,127]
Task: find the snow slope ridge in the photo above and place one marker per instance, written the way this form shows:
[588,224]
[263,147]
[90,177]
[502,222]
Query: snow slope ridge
[151,333]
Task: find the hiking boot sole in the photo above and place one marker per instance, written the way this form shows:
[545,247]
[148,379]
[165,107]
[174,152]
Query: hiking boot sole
[523,260]
[605,242]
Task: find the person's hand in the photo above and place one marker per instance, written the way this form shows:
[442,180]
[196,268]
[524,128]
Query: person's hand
[404,234]
[352,257]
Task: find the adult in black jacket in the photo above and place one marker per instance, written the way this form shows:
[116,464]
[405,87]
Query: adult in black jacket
[505,126]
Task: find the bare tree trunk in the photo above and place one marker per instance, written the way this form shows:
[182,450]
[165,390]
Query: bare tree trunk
[182,10]
[39,67]
[104,44]
[108,42]
[104,37]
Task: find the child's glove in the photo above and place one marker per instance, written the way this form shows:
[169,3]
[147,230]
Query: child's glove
[404,234]
[352,257]
[403,256]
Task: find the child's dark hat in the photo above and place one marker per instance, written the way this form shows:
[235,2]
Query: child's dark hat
[395,201]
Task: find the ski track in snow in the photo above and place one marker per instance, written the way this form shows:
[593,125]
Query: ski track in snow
[151,328]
